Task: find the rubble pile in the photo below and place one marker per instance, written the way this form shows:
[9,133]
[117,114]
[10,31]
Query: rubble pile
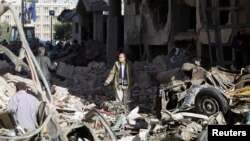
[6,90]
[70,108]
[184,131]
[79,91]
[174,60]
[146,84]
[144,89]
[85,82]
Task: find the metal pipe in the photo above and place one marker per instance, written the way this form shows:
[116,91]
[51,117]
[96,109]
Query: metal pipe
[94,113]
[25,47]
[18,63]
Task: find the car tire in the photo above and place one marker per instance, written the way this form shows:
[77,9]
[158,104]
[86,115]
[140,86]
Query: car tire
[203,136]
[210,101]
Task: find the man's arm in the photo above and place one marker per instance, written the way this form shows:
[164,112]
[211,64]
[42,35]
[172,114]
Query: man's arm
[111,75]
[12,107]
[50,66]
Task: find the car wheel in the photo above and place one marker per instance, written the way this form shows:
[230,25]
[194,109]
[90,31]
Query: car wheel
[203,136]
[210,101]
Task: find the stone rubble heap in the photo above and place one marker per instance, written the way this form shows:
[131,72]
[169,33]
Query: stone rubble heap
[70,108]
[78,89]
[6,90]
[87,83]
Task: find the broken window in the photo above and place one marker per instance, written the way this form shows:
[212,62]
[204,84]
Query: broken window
[223,6]
[224,14]
[159,12]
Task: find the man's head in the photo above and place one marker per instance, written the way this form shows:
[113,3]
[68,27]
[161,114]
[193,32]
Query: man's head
[41,50]
[21,86]
[122,57]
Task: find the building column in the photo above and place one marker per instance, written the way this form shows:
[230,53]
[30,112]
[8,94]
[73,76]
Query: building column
[98,26]
[112,30]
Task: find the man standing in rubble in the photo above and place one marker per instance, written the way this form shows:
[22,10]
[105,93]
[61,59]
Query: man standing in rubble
[24,107]
[45,64]
[122,74]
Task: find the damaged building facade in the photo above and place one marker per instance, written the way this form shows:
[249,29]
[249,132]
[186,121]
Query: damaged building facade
[154,25]
[147,28]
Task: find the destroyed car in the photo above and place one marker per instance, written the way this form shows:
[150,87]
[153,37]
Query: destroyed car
[191,87]
[183,126]
[48,124]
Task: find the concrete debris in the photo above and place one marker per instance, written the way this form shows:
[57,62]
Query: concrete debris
[185,129]
[92,49]
[74,109]
[93,95]
[14,78]
[160,62]
[134,114]
[65,70]
[143,79]
[175,59]
[90,87]
[78,90]
[171,75]
[7,88]
[81,90]
[131,138]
